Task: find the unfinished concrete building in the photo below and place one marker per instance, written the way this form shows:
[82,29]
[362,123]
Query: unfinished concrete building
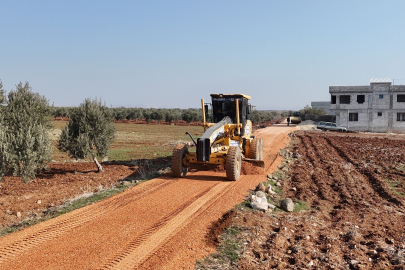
[322,105]
[378,107]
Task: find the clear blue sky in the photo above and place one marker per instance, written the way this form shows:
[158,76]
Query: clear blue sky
[171,54]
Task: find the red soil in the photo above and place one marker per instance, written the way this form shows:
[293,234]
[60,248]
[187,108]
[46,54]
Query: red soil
[355,185]
[63,181]
[160,224]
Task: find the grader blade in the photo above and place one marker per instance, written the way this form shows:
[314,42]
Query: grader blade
[259,163]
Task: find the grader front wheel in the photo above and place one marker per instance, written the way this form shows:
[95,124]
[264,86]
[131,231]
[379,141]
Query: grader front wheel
[178,169]
[233,163]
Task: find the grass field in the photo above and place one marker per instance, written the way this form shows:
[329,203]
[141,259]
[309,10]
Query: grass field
[138,141]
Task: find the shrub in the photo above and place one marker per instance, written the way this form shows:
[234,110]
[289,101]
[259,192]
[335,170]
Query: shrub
[90,132]
[313,111]
[24,142]
[4,152]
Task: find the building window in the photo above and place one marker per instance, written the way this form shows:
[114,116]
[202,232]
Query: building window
[361,98]
[333,100]
[379,113]
[381,96]
[353,116]
[400,98]
[345,99]
[400,116]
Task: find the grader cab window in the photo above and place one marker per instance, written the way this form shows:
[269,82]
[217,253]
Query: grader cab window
[225,107]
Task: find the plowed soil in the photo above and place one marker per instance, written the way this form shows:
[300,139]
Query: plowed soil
[160,224]
[355,185]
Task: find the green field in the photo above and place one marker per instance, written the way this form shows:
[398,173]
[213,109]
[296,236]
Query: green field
[139,141]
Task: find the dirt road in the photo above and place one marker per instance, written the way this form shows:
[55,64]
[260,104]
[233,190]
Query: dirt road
[160,224]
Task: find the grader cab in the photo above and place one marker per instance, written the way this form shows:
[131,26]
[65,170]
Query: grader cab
[226,140]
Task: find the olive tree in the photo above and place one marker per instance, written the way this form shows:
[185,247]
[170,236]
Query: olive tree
[172,115]
[256,117]
[148,114]
[61,111]
[310,110]
[4,144]
[135,113]
[2,94]
[120,113]
[191,115]
[25,125]
[90,132]
[158,115]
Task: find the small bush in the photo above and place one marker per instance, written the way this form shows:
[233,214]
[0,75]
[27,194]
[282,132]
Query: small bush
[90,132]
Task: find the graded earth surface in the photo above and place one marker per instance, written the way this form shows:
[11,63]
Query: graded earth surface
[163,223]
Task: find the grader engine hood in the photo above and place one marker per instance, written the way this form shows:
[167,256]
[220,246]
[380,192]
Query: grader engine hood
[208,138]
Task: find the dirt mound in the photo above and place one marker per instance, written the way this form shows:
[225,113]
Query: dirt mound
[218,228]
[206,167]
[251,169]
[246,169]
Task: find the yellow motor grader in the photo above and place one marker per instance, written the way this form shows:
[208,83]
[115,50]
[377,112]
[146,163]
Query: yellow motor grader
[228,140]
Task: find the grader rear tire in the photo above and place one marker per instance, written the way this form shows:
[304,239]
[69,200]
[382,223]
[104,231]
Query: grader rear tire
[233,163]
[254,149]
[178,169]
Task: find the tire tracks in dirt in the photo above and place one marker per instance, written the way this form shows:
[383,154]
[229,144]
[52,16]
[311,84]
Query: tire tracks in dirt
[269,154]
[82,216]
[142,247]
[121,232]
[195,246]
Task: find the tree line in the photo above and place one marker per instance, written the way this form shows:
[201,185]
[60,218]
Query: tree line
[167,115]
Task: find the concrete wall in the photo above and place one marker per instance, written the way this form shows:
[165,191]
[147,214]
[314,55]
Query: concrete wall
[378,123]
[397,126]
[398,105]
[381,103]
[349,89]
[342,119]
[380,87]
